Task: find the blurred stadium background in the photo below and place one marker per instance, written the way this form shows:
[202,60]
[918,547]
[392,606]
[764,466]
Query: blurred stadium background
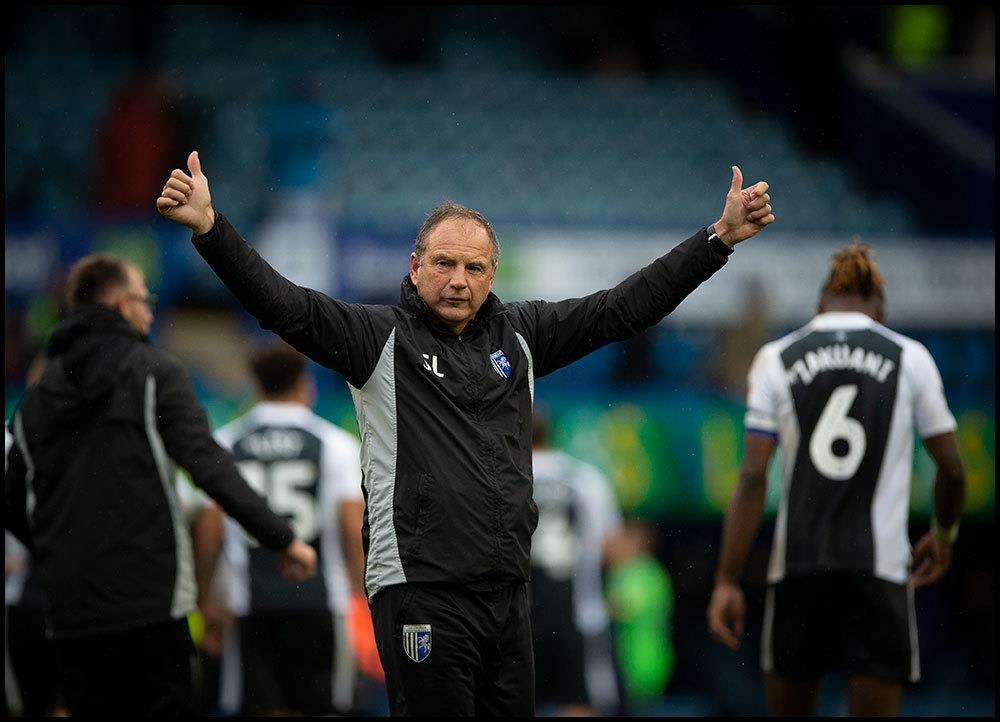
[595,139]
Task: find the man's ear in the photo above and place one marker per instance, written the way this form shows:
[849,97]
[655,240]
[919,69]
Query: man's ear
[414,265]
[116,302]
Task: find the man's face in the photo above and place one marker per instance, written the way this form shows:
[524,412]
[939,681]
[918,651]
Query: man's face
[135,303]
[455,274]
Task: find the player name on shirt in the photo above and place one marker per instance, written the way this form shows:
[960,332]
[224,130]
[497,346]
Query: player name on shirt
[275,444]
[839,357]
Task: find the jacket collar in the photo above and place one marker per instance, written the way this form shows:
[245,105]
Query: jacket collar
[87,352]
[410,300]
[87,320]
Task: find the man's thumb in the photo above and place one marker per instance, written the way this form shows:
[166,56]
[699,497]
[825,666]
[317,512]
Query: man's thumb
[737,183]
[194,164]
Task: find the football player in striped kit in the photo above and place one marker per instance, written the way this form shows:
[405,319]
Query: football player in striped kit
[578,517]
[290,649]
[843,397]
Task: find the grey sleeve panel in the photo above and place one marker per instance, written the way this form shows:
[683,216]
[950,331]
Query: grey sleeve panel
[185,589]
[375,404]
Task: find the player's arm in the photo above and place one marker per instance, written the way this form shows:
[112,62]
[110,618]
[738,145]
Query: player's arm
[338,335]
[205,521]
[351,513]
[206,534]
[564,331]
[936,426]
[765,393]
[187,440]
[206,531]
[932,555]
[341,468]
[743,516]
[344,472]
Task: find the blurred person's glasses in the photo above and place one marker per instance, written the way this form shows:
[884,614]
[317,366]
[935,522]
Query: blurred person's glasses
[149,299]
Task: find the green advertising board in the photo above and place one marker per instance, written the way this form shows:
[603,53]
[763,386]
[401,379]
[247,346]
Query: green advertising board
[679,456]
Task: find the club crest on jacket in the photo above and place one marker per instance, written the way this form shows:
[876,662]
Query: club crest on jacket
[417,641]
[500,363]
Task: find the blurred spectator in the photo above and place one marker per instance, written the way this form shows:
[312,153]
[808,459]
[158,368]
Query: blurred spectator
[31,677]
[641,598]
[143,132]
[737,343]
[302,131]
[578,519]
[30,662]
[982,38]
[918,34]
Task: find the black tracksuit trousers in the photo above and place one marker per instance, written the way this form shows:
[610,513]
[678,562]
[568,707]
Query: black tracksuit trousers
[144,672]
[474,650]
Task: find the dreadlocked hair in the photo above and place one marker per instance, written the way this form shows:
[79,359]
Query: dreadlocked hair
[853,273]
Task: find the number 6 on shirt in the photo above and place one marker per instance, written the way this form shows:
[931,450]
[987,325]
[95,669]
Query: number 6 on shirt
[835,424]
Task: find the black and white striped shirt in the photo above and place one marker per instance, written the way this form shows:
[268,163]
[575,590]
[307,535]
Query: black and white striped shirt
[844,396]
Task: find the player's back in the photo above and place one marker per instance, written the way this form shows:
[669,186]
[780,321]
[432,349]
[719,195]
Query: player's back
[844,395]
[302,465]
[576,511]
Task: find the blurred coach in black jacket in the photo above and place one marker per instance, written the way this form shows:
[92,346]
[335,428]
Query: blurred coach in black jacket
[90,491]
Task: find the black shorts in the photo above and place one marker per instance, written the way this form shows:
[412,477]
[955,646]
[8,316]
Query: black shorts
[449,651]
[573,669]
[147,671]
[840,622]
[298,661]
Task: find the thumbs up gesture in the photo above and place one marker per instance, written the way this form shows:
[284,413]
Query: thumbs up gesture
[746,212]
[185,198]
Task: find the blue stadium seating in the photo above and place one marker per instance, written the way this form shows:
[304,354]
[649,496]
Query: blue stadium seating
[484,128]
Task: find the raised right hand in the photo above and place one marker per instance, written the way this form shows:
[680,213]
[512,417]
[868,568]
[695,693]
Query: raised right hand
[725,614]
[746,212]
[185,198]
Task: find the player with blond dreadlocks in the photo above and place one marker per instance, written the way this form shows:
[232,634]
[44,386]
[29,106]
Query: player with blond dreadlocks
[843,396]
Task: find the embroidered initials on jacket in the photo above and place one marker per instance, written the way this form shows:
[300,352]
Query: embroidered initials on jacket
[431,364]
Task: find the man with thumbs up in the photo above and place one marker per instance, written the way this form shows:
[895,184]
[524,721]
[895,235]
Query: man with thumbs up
[443,384]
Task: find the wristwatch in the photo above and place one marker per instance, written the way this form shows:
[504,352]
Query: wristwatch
[717,243]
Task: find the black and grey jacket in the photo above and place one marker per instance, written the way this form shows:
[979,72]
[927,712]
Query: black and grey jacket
[90,483]
[445,419]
